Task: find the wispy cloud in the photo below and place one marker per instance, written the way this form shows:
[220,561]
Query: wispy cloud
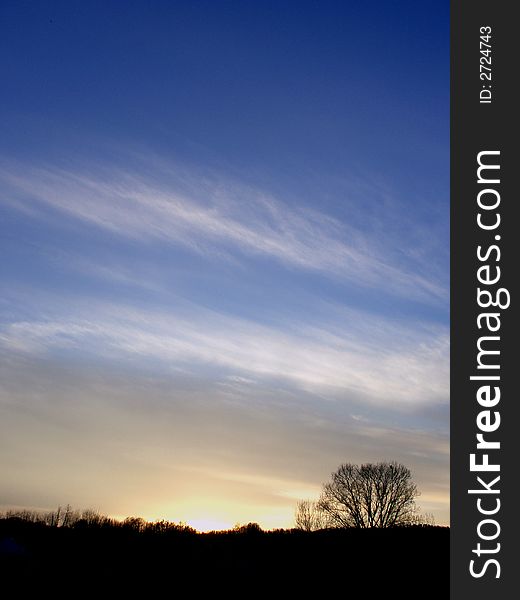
[389,363]
[183,442]
[216,216]
[116,345]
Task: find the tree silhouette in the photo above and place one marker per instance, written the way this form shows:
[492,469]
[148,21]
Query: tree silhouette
[371,495]
[309,516]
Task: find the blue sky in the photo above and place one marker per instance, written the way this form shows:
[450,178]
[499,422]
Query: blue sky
[225,242]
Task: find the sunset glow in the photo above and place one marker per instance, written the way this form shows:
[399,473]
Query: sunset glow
[225,255]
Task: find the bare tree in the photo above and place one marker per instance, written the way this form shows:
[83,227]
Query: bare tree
[70,516]
[370,495]
[135,523]
[309,516]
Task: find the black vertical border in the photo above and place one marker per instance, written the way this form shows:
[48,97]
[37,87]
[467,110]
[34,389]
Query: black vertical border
[476,127]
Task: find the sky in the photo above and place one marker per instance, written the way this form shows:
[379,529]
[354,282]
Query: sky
[224,230]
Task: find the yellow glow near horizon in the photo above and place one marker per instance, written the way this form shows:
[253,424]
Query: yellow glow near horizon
[222,499]
[223,513]
[209,524]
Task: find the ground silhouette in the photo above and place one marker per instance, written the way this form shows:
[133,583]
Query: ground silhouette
[93,552]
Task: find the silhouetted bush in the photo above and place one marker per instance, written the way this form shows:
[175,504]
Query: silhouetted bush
[249,529]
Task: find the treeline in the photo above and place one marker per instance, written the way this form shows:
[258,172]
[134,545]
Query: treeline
[85,550]
[72,518]
[67,517]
